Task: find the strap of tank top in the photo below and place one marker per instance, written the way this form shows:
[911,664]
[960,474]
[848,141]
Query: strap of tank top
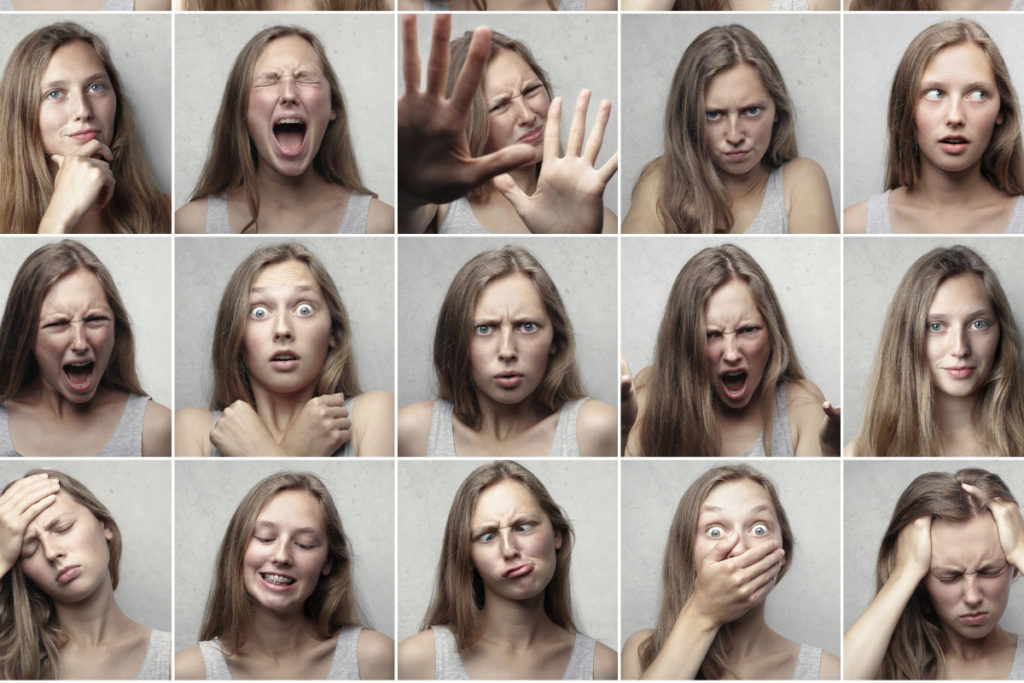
[213,659]
[566,442]
[441,443]
[356,214]
[217,222]
[878,215]
[581,661]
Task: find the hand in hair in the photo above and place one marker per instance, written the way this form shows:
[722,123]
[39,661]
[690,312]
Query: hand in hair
[321,428]
[1009,524]
[434,161]
[19,505]
[83,181]
[569,193]
[829,432]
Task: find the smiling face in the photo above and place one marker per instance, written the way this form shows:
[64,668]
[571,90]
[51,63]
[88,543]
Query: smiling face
[738,344]
[513,543]
[739,514]
[288,332]
[962,336]
[739,114]
[511,340]
[517,103]
[969,578]
[75,336]
[957,108]
[77,101]
[289,105]
[65,551]
[287,553]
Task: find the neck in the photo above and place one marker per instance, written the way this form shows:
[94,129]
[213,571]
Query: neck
[952,189]
[280,191]
[95,619]
[278,636]
[955,418]
[750,634]
[279,410]
[503,420]
[526,178]
[968,649]
[740,186]
[41,394]
[515,623]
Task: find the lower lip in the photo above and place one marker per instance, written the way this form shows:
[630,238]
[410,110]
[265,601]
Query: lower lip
[69,575]
[960,373]
[85,137]
[509,382]
[736,156]
[533,137]
[520,572]
[953,147]
[734,394]
[284,365]
[974,619]
[276,587]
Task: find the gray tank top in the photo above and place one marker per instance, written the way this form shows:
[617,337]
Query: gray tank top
[125,443]
[344,666]
[772,218]
[878,215]
[346,451]
[448,663]
[1017,670]
[353,223]
[441,443]
[460,219]
[790,6]
[109,6]
[157,665]
[808,664]
[782,439]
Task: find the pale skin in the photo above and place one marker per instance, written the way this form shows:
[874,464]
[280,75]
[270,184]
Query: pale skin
[517,640]
[103,643]
[734,5]
[971,573]
[85,5]
[507,5]
[436,167]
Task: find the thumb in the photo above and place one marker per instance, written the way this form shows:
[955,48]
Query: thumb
[503,161]
[507,186]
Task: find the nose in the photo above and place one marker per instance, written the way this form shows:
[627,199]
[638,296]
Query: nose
[289,91]
[955,112]
[51,549]
[740,547]
[972,595]
[730,348]
[521,109]
[82,107]
[507,350]
[961,344]
[282,326]
[78,341]
[509,547]
[282,552]
[734,131]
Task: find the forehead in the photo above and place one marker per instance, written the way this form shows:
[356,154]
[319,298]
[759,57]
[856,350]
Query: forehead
[964,291]
[960,62]
[509,293]
[737,83]
[503,501]
[77,287]
[731,300]
[966,545]
[290,272]
[287,51]
[70,58]
[63,504]
[505,69]
[739,496]
[293,508]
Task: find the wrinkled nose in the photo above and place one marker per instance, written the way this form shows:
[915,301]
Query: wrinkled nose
[509,546]
[730,348]
[78,340]
[522,110]
[972,593]
[507,348]
[288,90]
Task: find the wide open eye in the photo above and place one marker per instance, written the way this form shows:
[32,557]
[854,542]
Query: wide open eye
[760,529]
[259,312]
[715,532]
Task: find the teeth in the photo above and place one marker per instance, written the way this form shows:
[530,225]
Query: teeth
[284,356]
[277,579]
[80,364]
[290,121]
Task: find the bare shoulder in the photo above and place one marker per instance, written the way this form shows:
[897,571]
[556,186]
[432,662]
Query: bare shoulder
[188,665]
[381,218]
[376,655]
[852,449]
[855,218]
[802,393]
[611,222]
[152,5]
[801,170]
[416,657]
[631,668]
[597,429]
[643,210]
[606,663]
[829,667]
[373,422]
[156,431]
[414,429]
[191,218]
[602,5]
[803,401]
[808,197]
[192,432]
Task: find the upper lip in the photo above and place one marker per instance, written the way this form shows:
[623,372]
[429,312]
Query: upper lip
[954,138]
[83,131]
[531,132]
[736,151]
[509,373]
[62,570]
[277,573]
[515,568]
[973,614]
[283,352]
[78,360]
[960,367]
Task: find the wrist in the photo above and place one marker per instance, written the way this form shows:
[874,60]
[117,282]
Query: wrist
[699,619]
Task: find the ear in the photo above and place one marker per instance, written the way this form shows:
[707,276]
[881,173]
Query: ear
[327,568]
[553,350]
[999,119]
[108,533]
[334,115]
[558,540]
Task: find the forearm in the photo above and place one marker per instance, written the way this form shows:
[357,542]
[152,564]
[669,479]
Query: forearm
[413,217]
[865,643]
[683,652]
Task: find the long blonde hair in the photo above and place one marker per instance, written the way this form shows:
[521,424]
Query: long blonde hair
[253,5]
[137,206]
[916,649]
[679,573]
[30,636]
[693,198]
[899,419]
[679,416]
[458,595]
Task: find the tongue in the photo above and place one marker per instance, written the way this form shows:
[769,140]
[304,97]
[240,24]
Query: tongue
[290,140]
[78,374]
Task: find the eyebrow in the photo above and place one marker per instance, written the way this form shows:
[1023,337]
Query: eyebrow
[271,525]
[754,510]
[32,536]
[53,84]
[972,314]
[928,85]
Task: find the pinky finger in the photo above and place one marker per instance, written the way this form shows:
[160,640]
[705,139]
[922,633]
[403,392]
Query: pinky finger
[606,172]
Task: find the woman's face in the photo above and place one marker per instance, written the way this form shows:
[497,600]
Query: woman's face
[738,344]
[511,340]
[517,103]
[513,543]
[739,114]
[287,553]
[289,105]
[969,578]
[75,337]
[65,550]
[956,108]
[962,336]
[288,332]
[77,100]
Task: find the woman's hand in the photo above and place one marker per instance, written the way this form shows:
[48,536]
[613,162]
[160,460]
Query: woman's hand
[321,428]
[83,181]
[434,161]
[727,587]
[829,431]
[1009,524]
[569,193]
[914,549]
[240,433]
[19,505]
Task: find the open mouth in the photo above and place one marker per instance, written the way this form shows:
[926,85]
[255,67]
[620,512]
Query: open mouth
[953,143]
[79,373]
[277,579]
[284,357]
[290,134]
[734,381]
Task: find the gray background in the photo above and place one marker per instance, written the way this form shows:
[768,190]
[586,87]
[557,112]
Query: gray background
[873,268]
[207,492]
[804,271]
[583,269]
[871,488]
[363,272]
[805,48]
[577,52]
[140,47]
[141,268]
[586,490]
[138,495]
[360,48]
[804,606]
[873,47]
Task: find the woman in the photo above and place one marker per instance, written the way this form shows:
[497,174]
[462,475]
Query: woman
[286,5]
[955,162]
[725,380]
[501,607]
[283,604]
[508,379]
[730,163]
[494,132]
[934,5]
[506,5]
[729,544]
[943,581]
[85,5]
[284,376]
[282,158]
[82,167]
[731,5]
[59,565]
[68,385]
[948,378]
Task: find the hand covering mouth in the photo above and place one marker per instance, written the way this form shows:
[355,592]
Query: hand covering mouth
[277,579]
[290,132]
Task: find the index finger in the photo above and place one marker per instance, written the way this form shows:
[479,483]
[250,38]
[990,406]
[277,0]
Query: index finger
[94,149]
[472,71]
[410,54]
[552,140]
[755,554]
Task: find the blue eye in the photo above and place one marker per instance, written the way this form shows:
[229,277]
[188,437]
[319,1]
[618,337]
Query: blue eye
[259,312]
[525,527]
[753,111]
[715,532]
[52,95]
[483,330]
[979,325]
[97,87]
[760,530]
[529,327]
[304,310]
[485,537]
[977,96]
[935,327]
[933,94]
[712,115]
